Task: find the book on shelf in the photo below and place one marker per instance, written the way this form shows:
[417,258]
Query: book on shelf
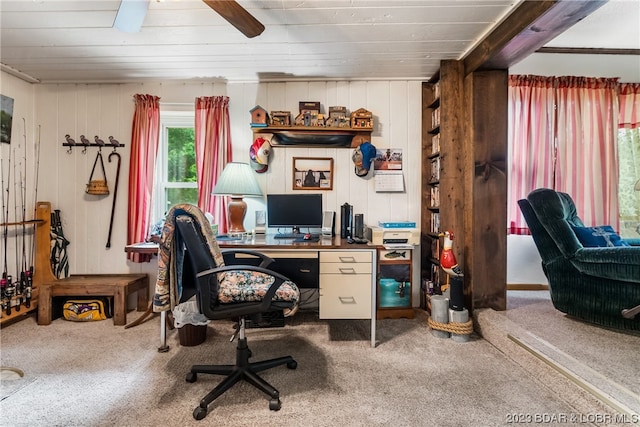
[435,222]
[435,144]
[435,276]
[435,118]
[435,196]
[435,248]
[435,169]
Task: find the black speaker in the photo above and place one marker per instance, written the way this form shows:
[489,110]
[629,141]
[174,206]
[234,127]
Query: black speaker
[346,219]
[456,294]
[358,226]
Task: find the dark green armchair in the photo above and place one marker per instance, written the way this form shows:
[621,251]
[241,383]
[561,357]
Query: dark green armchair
[600,285]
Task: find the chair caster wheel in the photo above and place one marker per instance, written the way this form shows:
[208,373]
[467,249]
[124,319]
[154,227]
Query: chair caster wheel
[199,413]
[274,405]
[191,378]
[292,365]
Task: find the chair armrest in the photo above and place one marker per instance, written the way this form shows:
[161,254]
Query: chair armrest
[265,260]
[633,242]
[617,263]
[609,255]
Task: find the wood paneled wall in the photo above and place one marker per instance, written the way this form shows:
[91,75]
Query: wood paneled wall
[107,109]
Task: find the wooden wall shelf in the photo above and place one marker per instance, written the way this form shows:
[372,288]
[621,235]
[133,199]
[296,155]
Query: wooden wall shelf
[308,136]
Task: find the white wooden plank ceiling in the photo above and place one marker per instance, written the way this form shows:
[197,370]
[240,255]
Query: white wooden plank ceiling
[74,41]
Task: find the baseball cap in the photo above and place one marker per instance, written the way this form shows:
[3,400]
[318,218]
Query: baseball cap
[259,155]
[362,157]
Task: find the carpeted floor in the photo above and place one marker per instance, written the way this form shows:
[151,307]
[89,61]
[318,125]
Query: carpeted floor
[605,359]
[95,374]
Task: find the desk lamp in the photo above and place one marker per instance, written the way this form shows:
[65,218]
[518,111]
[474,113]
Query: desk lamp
[237,180]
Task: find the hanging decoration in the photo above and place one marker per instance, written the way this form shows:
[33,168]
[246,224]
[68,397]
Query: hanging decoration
[259,154]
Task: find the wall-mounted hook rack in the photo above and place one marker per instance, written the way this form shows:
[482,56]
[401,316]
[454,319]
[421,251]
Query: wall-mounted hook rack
[84,143]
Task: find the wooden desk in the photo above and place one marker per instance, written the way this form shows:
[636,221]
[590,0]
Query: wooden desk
[347,273]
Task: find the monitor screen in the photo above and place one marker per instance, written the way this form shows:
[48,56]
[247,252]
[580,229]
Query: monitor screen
[294,210]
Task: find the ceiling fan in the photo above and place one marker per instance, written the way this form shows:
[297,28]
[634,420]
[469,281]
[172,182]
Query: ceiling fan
[131,14]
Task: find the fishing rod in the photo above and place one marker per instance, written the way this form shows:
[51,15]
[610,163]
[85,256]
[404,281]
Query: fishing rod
[11,284]
[29,272]
[5,220]
[23,199]
[21,265]
[20,284]
[5,213]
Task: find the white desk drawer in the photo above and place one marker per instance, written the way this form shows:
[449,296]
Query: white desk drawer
[345,257]
[340,300]
[345,268]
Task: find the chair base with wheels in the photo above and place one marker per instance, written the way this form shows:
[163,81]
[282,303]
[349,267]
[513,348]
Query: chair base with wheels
[242,370]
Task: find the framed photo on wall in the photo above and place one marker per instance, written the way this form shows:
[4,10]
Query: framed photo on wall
[312,173]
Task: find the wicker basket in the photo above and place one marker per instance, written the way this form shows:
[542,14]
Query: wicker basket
[97,187]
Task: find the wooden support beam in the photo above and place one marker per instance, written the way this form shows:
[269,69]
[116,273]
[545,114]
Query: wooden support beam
[485,212]
[530,26]
[588,51]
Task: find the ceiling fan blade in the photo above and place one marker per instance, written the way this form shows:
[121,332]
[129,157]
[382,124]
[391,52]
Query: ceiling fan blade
[131,15]
[237,16]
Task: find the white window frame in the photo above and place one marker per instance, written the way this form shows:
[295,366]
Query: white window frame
[168,119]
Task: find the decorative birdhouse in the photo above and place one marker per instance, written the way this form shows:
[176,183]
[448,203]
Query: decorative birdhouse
[362,119]
[337,117]
[280,118]
[259,116]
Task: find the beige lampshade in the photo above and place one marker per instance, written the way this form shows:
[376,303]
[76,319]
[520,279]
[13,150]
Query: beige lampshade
[237,180]
[637,186]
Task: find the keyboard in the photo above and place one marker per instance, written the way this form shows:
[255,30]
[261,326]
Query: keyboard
[297,236]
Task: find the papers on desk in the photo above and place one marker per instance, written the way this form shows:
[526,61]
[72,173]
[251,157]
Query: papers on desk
[143,245]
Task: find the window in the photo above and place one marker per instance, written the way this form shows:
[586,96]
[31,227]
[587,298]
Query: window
[176,176]
[628,195]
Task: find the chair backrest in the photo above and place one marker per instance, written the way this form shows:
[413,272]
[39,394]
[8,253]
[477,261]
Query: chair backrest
[546,246]
[197,257]
[557,214]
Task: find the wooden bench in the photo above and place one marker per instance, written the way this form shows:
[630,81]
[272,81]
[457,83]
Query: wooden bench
[118,286]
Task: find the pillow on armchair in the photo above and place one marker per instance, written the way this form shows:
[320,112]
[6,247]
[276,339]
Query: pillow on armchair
[601,236]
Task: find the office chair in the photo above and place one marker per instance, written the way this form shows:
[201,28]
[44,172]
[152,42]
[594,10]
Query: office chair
[232,291]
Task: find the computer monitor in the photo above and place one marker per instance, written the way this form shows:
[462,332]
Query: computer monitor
[294,210]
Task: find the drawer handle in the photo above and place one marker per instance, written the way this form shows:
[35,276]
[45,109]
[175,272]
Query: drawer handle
[347,259]
[304,270]
[347,300]
[349,270]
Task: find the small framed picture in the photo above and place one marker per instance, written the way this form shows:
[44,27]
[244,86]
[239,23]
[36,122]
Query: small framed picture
[312,173]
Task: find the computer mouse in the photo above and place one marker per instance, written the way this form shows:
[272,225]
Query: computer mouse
[307,237]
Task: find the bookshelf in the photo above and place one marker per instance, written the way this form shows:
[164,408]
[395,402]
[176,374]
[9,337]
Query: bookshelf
[431,225]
